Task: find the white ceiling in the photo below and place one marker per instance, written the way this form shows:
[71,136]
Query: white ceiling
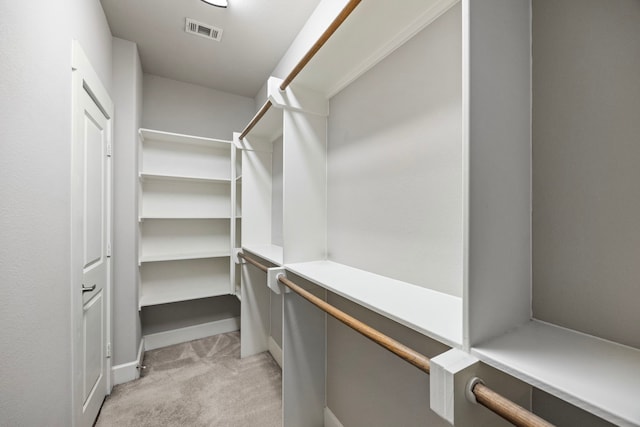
[256,34]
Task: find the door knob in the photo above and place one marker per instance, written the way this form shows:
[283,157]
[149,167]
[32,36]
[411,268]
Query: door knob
[88,288]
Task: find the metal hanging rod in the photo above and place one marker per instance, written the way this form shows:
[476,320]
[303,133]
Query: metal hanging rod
[335,24]
[500,405]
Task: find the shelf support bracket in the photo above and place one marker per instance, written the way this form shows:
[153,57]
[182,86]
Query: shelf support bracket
[453,373]
[272,280]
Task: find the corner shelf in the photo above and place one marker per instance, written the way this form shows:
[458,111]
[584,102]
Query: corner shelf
[596,375]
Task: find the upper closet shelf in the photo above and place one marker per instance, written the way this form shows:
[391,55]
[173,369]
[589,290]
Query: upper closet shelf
[435,314]
[372,31]
[271,253]
[599,376]
[166,177]
[157,135]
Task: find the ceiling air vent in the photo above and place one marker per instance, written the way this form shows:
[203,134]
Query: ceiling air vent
[203,30]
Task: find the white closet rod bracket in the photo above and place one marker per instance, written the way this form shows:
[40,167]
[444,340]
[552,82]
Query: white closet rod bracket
[273,274]
[297,98]
[236,258]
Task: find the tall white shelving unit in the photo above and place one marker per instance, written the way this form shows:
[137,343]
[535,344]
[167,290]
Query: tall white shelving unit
[187,217]
[490,324]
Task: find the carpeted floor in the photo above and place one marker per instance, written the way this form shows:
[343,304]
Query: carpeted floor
[199,383]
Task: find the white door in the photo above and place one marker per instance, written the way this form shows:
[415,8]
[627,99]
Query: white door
[91,199]
[95,263]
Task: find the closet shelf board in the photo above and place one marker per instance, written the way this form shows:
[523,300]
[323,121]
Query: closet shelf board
[599,376]
[155,135]
[271,253]
[163,177]
[148,300]
[184,256]
[142,218]
[435,314]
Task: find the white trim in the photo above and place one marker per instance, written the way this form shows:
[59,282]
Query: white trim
[90,80]
[330,420]
[190,333]
[126,372]
[275,351]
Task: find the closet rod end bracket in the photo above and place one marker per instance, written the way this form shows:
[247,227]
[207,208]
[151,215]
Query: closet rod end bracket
[272,280]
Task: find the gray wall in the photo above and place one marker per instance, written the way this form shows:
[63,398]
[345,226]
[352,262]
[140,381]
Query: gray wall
[35,165]
[586,157]
[174,106]
[395,163]
[127,96]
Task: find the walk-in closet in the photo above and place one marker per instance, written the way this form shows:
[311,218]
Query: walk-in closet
[339,213]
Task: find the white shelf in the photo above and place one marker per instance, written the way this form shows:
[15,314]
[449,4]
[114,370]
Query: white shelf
[431,313]
[271,253]
[359,44]
[185,198]
[166,177]
[183,280]
[142,218]
[598,376]
[156,135]
[184,256]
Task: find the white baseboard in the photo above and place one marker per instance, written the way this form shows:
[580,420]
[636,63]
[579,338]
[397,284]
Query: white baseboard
[275,351]
[330,420]
[126,372]
[190,333]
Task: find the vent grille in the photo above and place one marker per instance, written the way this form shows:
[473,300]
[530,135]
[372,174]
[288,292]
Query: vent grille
[203,30]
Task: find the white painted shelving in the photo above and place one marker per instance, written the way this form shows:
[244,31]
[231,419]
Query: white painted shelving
[492,320]
[596,375]
[435,314]
[186,210]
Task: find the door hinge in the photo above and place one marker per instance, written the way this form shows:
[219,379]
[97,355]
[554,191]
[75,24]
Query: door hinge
[108,350]
[109,150]
[108,250]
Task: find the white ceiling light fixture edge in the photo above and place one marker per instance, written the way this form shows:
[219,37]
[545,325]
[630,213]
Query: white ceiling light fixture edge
[217,3]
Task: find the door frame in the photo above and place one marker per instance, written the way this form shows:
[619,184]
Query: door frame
[84,78]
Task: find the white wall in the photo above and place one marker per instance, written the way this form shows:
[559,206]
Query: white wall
[35,161]
[174,106]
[395,163]
[586,155]
[127,97]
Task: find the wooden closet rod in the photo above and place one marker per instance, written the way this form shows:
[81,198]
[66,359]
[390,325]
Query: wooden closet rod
[342,16]
[256,119]
[485,396]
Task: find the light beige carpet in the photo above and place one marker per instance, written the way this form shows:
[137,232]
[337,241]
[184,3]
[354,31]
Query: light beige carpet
[199,383]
